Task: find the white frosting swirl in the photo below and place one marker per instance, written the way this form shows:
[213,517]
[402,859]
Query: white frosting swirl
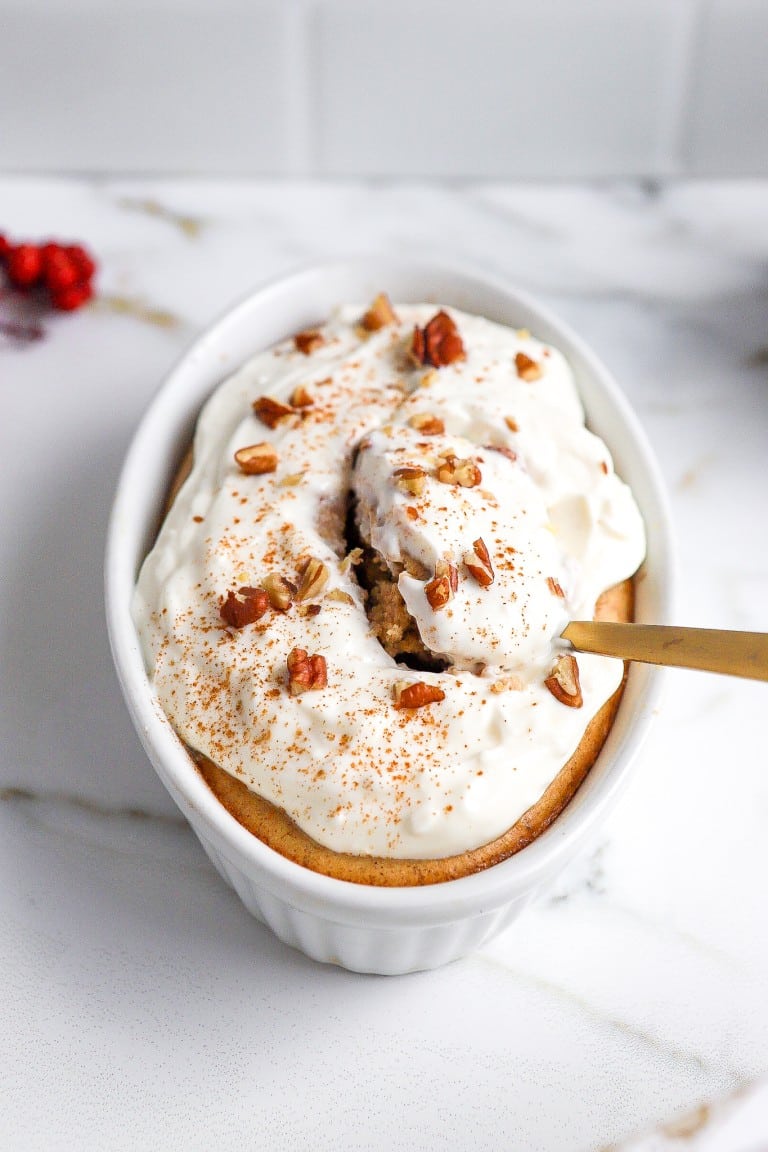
[355,773]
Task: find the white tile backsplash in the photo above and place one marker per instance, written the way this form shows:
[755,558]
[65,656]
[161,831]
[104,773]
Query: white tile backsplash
[510,89]
[192,87]
[728,126]
[499,89]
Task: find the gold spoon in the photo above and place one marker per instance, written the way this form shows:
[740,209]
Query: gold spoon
[710,649]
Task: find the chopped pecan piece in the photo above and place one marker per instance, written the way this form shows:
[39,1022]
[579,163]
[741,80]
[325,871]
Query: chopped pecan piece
[442,586]
[301,397]
[502,450]
[555,587]
[411,479]
[439,343]
[308,341]
[445,568]
[466,473]
[310,609]
[427,424]
[351,559]
[271,412]
[438,592]
[257,459]
[506,684]
[339,596]
[415,694]
[290,480]
[313,579]
[379,315]
[280,591]
[243,606]
[478,563]
[527,369]
[563,681]
[306,673]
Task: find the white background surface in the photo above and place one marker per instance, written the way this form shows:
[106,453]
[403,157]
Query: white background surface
[141,1006]
[493,88]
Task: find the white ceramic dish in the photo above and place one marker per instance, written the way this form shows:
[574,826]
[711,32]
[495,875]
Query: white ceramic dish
[372,929]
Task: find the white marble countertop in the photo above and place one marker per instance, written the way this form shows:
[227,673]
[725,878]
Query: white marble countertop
[142,1007]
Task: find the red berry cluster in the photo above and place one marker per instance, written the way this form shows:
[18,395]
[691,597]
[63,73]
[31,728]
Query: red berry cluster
[65,271]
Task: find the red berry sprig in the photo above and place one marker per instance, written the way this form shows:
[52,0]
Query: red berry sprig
[64,271]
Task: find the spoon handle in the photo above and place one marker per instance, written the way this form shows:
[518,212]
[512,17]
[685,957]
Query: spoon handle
[710,649]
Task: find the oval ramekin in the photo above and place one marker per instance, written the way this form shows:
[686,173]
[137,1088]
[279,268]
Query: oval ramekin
[367,929]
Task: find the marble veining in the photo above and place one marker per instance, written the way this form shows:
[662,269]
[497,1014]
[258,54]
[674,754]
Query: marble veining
[670,1053]
[627,1009]
[139,309]
[732,1121]
[190,226]
[57,800]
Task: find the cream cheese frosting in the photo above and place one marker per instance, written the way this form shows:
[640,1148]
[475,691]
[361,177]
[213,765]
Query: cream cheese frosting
[353,771]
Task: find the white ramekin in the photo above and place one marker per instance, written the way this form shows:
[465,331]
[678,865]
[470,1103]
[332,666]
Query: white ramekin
[372,929]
